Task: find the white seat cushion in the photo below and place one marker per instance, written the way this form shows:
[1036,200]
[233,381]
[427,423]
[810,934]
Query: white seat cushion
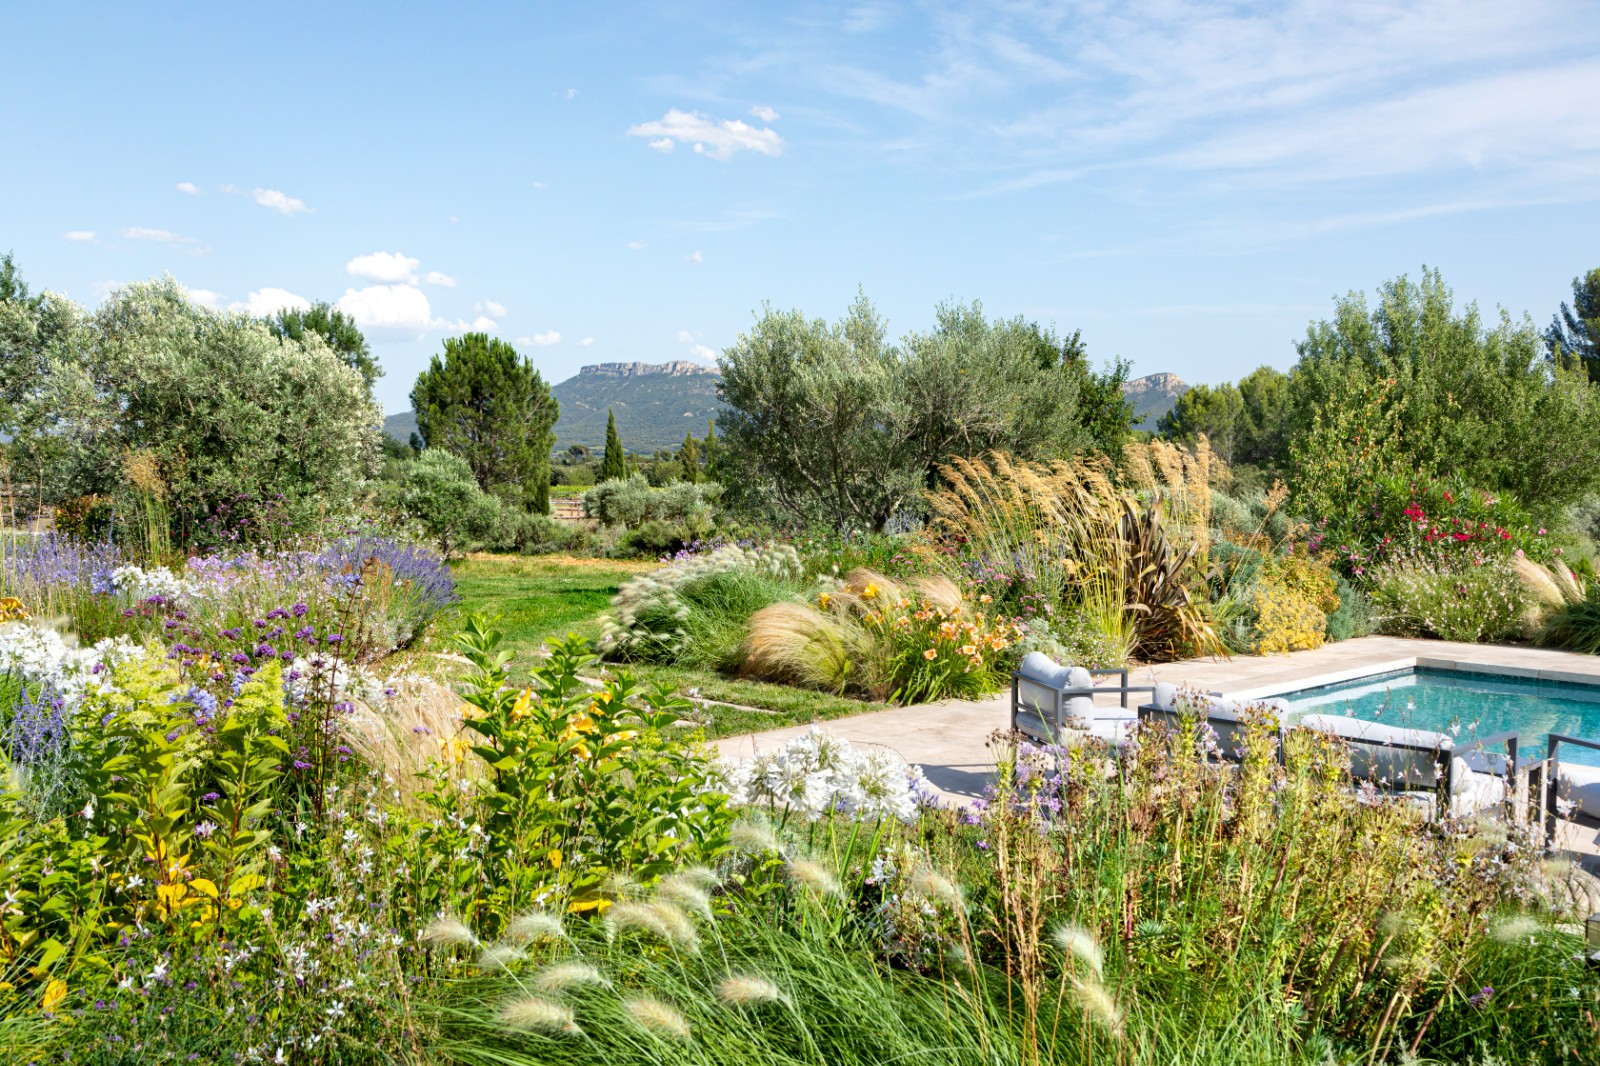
[1375,732]
[1580,785]
[1039,667]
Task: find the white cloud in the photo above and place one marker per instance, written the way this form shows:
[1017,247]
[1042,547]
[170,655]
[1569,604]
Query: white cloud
[541,340]
[586,342]
[700,351]
[167,237]
[539,185]
[280,202]
[719,140]
[637,246]
[685,337]
[264,302]
[694,259]
[568,94]
[79,236]
[444,280]
[189,187]
[483,325]
[391,311]
[764,113]
[391,267]
[489,307]
[205,297]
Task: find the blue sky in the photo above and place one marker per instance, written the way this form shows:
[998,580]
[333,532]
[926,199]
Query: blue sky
[1189,184]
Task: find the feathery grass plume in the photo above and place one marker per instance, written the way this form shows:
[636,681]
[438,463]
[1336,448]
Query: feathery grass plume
[680,890]
[1098,1004]
[659,919]
[657,1016]
[1511,930]
[813,877]
[752,838]
[935,885]
[500,956]
[534,925]
[531,1012]
[564,975]
[620,886]
[702,876]
[448,931]
[678,927]
[737,990]
[1081,945]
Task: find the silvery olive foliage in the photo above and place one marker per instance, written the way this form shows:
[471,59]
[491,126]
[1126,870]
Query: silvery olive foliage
[226,408]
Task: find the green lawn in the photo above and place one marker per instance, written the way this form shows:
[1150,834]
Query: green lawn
[540,597]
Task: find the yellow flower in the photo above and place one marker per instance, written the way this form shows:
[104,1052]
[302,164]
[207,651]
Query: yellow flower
[519,710]
[54,993]
[930,654]
[969,650]
[986,598]
[554,858]
[870,592]
[823,601]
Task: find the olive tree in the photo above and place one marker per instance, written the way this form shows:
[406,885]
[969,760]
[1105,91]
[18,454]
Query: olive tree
[834,423]
[221,412]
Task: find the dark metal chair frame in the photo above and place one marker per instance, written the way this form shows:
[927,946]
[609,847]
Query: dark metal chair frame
[1062,695]
[1552,778]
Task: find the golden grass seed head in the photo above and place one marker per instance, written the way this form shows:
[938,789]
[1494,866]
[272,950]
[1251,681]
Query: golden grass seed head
[1098,1004]
[542,1015]
[1518,928]
[564,975]
[737,990]
[448,931]
[686,894]
[1081,945]
[814,877]
[500,956]
[935,885]
[658,1017]
[534,925]
[752,838]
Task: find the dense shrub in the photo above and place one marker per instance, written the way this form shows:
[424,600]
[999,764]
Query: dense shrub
[437,489]
[1424,594]
[1402,513]
[631,502]
[1355,616]
[1575,625]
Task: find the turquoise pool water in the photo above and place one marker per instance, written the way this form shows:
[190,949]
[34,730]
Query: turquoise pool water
[1466,705]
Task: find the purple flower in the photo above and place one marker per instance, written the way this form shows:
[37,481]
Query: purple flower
[335,638]
[299,610]
[211,797]
[300,764]
[240,657]
[1482,996]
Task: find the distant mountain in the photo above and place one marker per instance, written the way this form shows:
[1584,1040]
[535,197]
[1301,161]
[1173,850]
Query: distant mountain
[1153,396]
[656,404]
[401,426]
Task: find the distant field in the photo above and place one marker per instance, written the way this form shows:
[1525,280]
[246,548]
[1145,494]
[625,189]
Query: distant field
[544,597]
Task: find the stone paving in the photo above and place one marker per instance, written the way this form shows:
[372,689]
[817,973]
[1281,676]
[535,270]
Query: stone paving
[949,739]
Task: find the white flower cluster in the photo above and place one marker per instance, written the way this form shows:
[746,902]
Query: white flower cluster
[141,584]
[819,772]
[41,656]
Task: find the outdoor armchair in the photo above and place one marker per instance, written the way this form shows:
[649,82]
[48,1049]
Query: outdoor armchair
[1052,703]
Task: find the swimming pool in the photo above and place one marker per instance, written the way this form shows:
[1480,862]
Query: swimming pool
[1466,705]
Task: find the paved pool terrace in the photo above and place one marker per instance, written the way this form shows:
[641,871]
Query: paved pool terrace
[949,739]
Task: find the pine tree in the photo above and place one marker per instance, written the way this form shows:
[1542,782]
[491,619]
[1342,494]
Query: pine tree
[487,404]
[689,459]
[614,466]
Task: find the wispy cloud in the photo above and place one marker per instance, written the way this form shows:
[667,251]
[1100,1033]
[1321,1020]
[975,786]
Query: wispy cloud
[541,340]
[175,241]
[188,188]
[80,236]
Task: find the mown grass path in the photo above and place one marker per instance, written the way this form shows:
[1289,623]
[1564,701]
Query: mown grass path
[538,598]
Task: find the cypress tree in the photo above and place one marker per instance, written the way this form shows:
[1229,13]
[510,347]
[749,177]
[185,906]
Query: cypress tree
[614,466]
[689,459]
[712,450]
